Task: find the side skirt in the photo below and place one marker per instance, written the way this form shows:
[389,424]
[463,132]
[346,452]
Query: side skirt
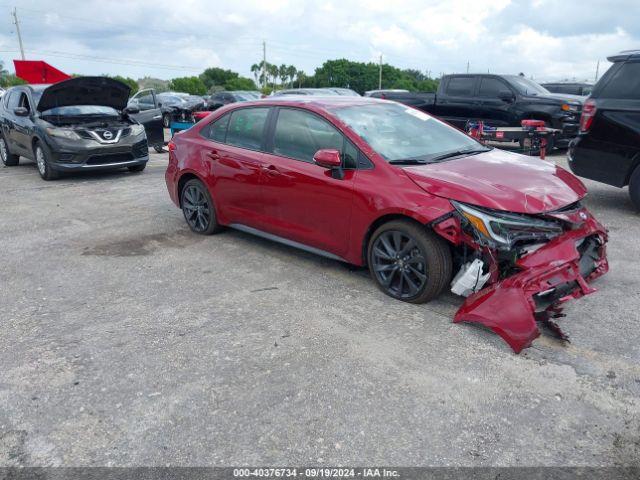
[286,241]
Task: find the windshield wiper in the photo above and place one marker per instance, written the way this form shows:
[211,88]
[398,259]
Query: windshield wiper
[457,153]
[408,161]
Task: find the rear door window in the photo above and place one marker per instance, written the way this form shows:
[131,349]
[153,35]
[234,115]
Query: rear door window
[624,83]
[491,87]
[461,86]
[246,127]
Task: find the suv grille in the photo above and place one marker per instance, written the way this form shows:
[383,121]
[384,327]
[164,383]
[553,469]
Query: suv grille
[109,158]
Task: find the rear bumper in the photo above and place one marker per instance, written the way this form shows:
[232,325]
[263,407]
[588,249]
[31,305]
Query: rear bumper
[557,272]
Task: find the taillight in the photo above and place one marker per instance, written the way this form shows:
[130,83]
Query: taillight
[588,113]
[172,147]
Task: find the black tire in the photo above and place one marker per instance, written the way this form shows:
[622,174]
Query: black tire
[166,120]
[634,187]
[159,148]
[43,164]
[137,168]
[8,158]
[410,250]
[198,208]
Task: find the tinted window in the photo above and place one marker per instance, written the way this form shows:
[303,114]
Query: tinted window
[217,131]
[145,102]
[624,84]
[300,135]
[491,87]
[246,127]
[460,86]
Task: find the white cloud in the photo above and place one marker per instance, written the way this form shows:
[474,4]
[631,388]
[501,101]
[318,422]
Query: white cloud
[546,40]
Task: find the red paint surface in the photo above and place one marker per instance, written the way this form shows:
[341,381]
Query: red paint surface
[37,71]
[304,202]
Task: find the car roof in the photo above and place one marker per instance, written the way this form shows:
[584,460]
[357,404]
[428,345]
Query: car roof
[624,55]
[312,102]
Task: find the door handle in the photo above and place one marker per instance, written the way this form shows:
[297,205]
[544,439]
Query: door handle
[270,170]
[213,155]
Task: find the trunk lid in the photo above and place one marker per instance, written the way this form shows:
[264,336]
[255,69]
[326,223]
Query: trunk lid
[100,91]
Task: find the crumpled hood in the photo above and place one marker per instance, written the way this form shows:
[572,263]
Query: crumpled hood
[101,91]
[502,181]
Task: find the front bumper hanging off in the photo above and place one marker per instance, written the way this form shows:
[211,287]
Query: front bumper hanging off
[557,272]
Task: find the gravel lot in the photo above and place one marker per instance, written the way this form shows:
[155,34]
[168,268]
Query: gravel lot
[127,340]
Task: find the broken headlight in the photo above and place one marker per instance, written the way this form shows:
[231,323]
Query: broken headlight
[505,229]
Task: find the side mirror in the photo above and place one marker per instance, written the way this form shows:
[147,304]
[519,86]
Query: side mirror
[327,158]
[505,96]
[132,110]
[21,112]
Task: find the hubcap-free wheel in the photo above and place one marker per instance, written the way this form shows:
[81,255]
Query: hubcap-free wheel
[40,160]
[198,208]
[408,261]
[8,159]
[399,265]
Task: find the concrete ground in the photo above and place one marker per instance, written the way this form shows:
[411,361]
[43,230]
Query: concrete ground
[127,340]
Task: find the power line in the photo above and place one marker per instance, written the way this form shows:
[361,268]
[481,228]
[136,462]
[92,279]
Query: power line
[91,58]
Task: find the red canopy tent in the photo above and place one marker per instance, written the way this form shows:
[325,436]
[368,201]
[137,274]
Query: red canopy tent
[37,71]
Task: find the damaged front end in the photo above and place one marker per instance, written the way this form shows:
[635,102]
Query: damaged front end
[531,264]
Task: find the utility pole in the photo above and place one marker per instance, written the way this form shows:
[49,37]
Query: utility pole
[15,21]
[597,69]
[380,74]
[264,64]
[467,66]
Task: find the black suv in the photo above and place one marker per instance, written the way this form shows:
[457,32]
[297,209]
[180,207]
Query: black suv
[608,146]
[77,124]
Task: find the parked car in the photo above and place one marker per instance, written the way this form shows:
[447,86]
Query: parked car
[220,99]
[169,105]
[572,88]
[499,101]
[76,125]
[608,147]
[347,92]
[306,91]
[377,183]
[148,110]
[382,93]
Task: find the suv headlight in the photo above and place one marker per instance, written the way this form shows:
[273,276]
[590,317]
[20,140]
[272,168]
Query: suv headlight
[504,229]
[137,129]
[67,133]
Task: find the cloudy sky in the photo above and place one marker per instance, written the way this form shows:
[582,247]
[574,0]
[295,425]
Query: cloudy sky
[546,39]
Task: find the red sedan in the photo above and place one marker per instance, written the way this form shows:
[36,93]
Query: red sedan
[376,183]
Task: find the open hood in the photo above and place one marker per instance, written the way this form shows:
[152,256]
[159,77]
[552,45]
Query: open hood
[501,181]
[101,91]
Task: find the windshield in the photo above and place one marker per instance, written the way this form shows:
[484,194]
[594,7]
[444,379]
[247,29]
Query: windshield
[400,133]
[79,110]
[526,86]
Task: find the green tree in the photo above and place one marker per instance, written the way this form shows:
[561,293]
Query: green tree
[128,81]
[256,69]
[215,76]
[240,83]
[192,85]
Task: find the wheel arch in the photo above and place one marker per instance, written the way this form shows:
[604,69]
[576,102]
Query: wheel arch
[184,178]
[381,221]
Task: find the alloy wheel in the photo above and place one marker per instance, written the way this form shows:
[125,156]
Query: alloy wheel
[3,150]
[197,210]
[42,165]
[399,265]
